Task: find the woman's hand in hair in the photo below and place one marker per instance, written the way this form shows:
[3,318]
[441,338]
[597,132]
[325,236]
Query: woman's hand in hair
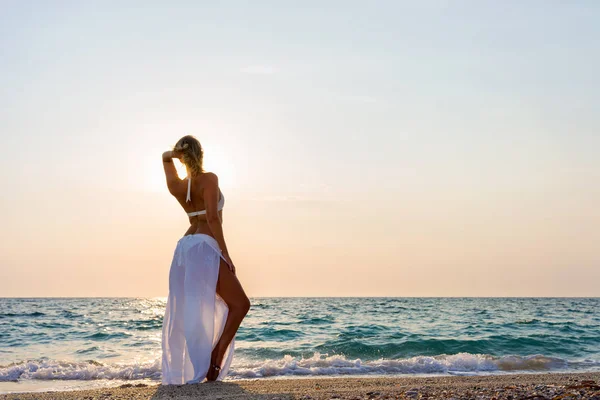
[177,153]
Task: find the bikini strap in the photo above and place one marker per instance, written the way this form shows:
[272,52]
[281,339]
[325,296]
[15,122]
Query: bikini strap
[189,192]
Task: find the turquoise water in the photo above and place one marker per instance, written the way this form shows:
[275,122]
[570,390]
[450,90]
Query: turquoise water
[45,341]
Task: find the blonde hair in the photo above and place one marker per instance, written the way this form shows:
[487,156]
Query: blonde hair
[192,152]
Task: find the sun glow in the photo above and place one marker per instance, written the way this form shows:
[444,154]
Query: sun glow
[221,164]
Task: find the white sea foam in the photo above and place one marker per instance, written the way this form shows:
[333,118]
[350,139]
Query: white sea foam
[290,366]
[339,365]
[62,370]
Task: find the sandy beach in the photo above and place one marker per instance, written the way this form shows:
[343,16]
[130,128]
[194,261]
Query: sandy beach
[511,387]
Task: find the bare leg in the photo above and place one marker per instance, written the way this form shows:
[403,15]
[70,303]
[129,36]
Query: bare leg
[231,291]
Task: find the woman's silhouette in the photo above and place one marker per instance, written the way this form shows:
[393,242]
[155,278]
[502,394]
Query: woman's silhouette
[206,302]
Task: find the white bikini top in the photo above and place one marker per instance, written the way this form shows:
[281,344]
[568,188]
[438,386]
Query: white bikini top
[203,212]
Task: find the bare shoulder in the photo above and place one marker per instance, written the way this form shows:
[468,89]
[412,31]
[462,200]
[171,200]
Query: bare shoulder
[211,178]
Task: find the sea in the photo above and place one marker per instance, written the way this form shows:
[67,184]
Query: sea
[79,343]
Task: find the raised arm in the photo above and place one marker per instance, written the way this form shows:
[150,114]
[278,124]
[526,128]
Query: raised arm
[173,180]
[213,218]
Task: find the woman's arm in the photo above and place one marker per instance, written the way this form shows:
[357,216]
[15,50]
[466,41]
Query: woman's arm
[211,201]
[173,180]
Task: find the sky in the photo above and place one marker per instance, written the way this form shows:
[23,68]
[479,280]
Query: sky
[384,148]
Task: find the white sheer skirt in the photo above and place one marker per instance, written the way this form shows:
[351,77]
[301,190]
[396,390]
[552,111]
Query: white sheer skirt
[195,314]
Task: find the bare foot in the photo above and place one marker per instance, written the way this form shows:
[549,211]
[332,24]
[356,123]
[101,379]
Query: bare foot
[213,373]
[215,364]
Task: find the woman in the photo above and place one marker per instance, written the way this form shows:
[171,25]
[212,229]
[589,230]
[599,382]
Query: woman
[206,301]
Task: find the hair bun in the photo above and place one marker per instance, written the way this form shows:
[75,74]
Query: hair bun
[182,147]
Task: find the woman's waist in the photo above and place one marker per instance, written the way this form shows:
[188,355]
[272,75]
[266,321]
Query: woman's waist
[201,219]
[200,236]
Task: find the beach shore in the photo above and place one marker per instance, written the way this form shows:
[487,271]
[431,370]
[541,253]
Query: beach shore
[518,386]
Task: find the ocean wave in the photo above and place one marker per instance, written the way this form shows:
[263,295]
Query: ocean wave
[443,364]
[52,325]
[317,365]
[350,344]
[142,325]
[88,350]
[22,315]
[260,306]
[107,336]
[69,314]
[269,333]
[527,321]
[88,370]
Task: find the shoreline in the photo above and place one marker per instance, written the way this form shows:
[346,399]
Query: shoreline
[533,386]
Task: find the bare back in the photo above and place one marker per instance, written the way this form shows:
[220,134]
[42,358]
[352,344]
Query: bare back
[196,201]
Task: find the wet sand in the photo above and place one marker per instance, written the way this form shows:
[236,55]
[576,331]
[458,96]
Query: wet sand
[513,387]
